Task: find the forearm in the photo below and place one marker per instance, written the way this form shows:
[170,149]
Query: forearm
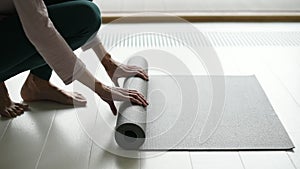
[90,81]
[100,51]
[96,45]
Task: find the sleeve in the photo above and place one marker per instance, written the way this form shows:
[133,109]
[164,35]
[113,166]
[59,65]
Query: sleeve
[92,42]
[41,32]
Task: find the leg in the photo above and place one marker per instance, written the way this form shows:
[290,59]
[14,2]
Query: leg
[75,27]
[88,24]
[76,21]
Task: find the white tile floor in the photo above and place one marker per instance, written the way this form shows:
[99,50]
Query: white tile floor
[50,136]
[216,160]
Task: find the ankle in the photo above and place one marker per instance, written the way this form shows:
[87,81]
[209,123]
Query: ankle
[3,89]
[34,81]
[4,95]
[32,78]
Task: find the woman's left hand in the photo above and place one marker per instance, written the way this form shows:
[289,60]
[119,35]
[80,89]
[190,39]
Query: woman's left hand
[115,70]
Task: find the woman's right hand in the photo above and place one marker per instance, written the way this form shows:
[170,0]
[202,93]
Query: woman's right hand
[111,94]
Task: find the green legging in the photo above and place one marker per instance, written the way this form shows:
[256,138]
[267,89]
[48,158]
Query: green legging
[76,21]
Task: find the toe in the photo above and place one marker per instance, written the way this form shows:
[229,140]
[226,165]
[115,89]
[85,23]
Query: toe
[78,95]
[80,98]
[18,110]
[79,102]
[6,114]
[11,112]
[23,106]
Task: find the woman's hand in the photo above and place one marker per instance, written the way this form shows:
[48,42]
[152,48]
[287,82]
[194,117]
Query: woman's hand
[109,94]
[115,70]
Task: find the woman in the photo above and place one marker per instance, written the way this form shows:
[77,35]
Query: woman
[40,36]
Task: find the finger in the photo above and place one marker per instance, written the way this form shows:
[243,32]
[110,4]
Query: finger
[144,99]
[136,73]
[119,94]
[140,96]
[137,69]
[129,95]
[125,93]
[145,75]
[133,67]
[133,93]
[112,107]
[136,94]
[135,101]
[141,99]
[141,74]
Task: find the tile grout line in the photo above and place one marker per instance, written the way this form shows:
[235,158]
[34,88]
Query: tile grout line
[294,165]
[281,82]
[5,130]
[140,158]
[44,144]
[284,87]
[264,64]
[238,68]
[92,141]
[240,157]
[90,154]
[190,156]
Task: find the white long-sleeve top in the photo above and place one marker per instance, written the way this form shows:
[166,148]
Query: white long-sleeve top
[41,32]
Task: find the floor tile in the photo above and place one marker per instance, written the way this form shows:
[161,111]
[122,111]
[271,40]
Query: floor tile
[216,160]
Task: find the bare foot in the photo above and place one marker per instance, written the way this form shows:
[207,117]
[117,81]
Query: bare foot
[37,89]
[9,108]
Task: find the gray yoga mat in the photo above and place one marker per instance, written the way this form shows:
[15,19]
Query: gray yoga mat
[179,116]
[131,122]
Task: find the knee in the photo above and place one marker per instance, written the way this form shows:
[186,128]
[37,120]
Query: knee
[91,16]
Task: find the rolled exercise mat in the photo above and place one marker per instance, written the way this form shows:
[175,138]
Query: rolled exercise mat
[131,121]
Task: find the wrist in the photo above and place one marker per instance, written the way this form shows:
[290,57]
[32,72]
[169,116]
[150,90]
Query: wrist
[107,61]
[99,87]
